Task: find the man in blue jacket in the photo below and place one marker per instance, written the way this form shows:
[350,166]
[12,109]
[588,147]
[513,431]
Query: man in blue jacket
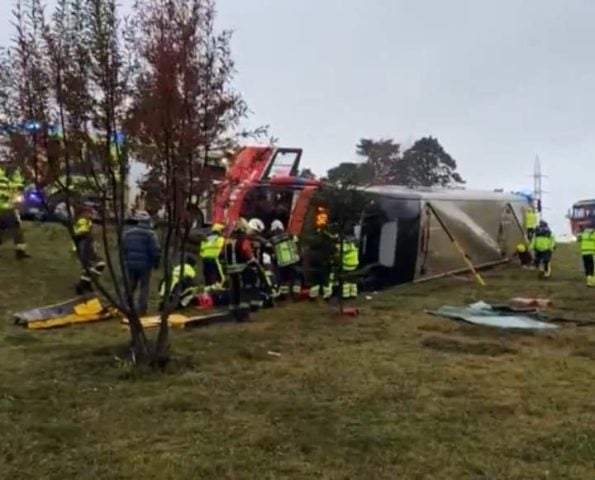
[141,255]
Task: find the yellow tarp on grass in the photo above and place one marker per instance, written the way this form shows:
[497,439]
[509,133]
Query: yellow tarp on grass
[182,321]
[73,312]
[174,320]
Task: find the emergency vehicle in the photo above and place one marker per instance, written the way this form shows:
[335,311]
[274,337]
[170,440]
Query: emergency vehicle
[582,215]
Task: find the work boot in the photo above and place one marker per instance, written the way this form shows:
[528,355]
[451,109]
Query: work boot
[21,254]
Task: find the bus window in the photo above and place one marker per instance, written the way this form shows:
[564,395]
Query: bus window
[268,204]
[388,244]
[285,163]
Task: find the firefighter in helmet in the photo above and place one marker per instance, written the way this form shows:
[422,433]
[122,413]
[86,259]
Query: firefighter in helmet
[211,251]
[239,258]
[263,251]
[287,260]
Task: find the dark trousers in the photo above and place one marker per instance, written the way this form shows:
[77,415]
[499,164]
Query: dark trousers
[243,294]
[183,291]
[140,280]
[543,261]
[589,264]
[90,261]
[10,222]
[212,272]
[256,286]
[525,258]
[322,282]
[530,233]
[289,278]
[85,247]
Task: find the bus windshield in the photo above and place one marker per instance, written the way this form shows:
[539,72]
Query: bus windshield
[269,203]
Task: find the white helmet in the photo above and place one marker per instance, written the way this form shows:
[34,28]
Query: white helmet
[256,225]
[277,226]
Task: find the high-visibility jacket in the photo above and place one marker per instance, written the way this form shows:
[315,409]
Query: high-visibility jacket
[212,246]
[5,192]
[177,274]
[286,250]
[531,218]
[17,181]
[350,256]
[82,226]
[543,241]
[587,241]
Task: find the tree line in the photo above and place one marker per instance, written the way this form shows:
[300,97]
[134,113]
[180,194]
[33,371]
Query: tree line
[384,162]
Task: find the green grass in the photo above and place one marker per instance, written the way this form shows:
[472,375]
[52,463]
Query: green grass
[392,394]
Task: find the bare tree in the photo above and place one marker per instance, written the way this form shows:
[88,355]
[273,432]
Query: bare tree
[183,110]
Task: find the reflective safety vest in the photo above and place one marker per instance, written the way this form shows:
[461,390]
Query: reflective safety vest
[82,226]
[234,263]
[543,242]
[350,256]
[5,193]
[286,250]
[587,241]
[177,274]
[212,246]
[17,181]
[531,219]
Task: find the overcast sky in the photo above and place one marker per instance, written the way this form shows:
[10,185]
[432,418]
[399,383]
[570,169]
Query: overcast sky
[497,82]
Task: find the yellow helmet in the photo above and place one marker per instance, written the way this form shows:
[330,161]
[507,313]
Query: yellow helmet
[521,248]
[218,227]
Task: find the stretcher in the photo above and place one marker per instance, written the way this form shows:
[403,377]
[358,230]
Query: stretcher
[76,311]
[178,321]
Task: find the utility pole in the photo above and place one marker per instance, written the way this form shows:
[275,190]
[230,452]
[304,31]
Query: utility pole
[538,185]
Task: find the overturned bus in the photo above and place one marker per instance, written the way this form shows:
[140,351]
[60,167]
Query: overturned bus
[416,235]
[409,235]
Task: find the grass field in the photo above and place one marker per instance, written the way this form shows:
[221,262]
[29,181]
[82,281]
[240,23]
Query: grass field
[392,394]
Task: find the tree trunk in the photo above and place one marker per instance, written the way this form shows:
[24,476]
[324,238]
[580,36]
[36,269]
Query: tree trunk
[161,356]
[138,344]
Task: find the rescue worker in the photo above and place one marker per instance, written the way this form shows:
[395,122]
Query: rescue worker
[272,291]
[141,256]
[239,258]
[524,255]
[17,180]
[260,246]
[349,252]
[10,220]
[543,246]
[586,240]
[257,231]
[320,263]
[183,286]
[287,260]
[84,244]
[531,221]
[211,250]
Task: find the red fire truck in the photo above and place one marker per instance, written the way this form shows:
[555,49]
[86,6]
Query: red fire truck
[582,215]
